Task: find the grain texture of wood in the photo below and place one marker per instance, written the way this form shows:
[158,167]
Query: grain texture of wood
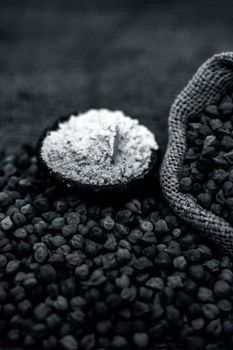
[58,58]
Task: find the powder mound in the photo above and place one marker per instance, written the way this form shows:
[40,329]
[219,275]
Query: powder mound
[99,147]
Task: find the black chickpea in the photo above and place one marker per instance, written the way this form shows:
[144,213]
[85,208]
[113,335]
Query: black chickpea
[65,262]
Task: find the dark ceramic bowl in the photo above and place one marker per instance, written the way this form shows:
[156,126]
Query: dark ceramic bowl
[134,185]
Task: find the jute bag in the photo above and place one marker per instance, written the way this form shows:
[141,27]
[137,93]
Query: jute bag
[213,79]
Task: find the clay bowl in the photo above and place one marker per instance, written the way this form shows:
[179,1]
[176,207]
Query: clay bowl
[146,182]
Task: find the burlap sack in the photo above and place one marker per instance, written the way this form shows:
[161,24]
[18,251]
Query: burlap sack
[212,80]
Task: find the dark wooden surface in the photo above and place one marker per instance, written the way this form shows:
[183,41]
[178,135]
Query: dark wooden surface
[60,56]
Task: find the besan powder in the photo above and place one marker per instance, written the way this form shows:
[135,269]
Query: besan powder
[99,147]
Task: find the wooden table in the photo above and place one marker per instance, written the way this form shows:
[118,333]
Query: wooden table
[70,56]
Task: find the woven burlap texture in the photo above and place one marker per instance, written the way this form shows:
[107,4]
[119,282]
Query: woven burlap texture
[213,79]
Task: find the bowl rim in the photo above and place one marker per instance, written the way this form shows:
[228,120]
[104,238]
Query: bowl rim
[85,187]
